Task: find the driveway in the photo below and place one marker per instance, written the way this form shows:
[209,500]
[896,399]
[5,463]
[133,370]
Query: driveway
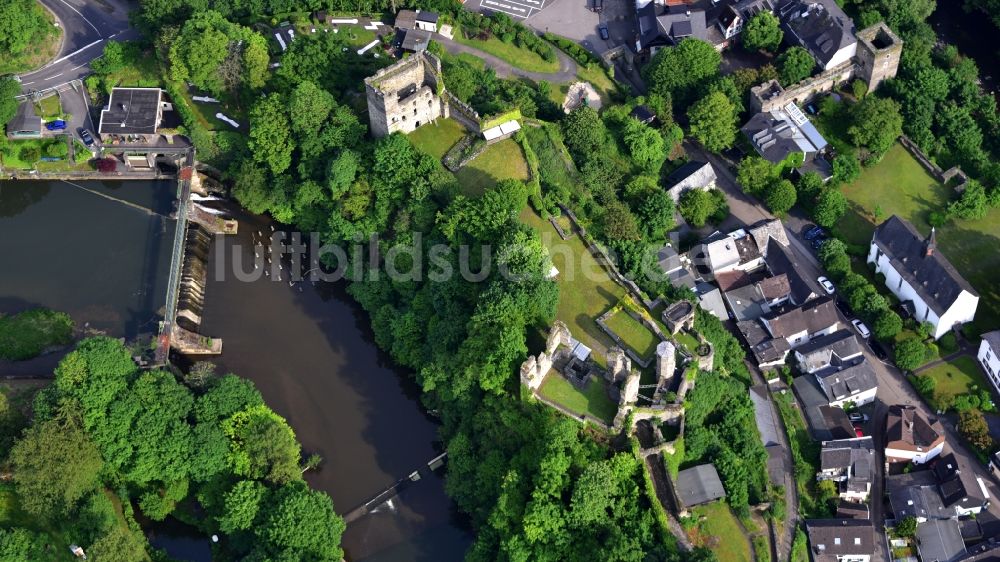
[567,66]
[87,25]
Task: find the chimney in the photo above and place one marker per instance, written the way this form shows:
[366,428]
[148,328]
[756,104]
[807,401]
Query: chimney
[930,243]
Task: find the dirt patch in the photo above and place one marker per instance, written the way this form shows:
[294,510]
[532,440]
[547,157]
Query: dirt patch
[581,93]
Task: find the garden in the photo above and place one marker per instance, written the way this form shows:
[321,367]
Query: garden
[633,333]
[719,530]
[593,400]
[957,384]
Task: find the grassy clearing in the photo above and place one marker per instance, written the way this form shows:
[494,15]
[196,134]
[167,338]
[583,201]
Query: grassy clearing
[633,333]
[27,334]
[142,72]
[437,137]
[585,290]
[955,378]
[510,53]
[805,455]
[14,155]
[593,400]
[898,185]
[599,79]
[719,530]
[49,108]
[553,159]
[503,160]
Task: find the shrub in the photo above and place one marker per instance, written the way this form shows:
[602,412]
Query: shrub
[29,154]
[57,149]
[925,385]
[910,354]
[948,343]
[106,165]
[887,325]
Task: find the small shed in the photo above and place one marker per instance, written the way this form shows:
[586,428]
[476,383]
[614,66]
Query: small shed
[25,124]
[698,485]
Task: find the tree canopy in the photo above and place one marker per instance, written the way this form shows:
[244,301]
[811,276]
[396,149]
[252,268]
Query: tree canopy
[763,32]
[713,121]
[795,65]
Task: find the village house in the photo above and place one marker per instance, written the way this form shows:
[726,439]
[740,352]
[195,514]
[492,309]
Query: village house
[820,27]
[929,286]
[416,19]
[25,124]
[772,336]
[851,464]
[693,175]
[988,359]
[840,368]
[133,116]
[910,437]
[698,485]
[786,133]
[841,540]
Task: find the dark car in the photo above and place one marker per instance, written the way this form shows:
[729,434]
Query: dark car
[56,125]
[878,350]
[817,243]
[814,232]
[603,30]
[86,137]
[598,6]
[844,307]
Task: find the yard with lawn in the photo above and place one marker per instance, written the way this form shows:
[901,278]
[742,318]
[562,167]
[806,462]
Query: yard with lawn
[510,53]
[585,290]
[593,400]
[961,375]
[805,456]
[898,185]
[554,162]
[718,530]
[437,137]
[633,333]
[503,160]
[49,108]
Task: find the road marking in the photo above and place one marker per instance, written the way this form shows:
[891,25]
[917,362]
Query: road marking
[506,8]
[53,76]
[26,83]
[81,15]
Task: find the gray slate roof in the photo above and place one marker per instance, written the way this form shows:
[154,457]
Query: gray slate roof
[830,538]
[693,175]
[932,276]
[699,484]
[822,351]
[940,540]
[915,494]
[781,261]
[416,40]
[811,317]
[845,379]
[819,26]
[993,339]
[25,121]
[766,230]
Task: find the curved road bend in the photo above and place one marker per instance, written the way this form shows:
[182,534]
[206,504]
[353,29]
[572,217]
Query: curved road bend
[567,66]
[87,25]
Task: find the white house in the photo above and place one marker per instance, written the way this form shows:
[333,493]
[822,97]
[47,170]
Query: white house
[988,358]
[841,540]
[840,368]
[799,325]
[921,277]
[910,437]
[851,464]
[693,175]
[822,28]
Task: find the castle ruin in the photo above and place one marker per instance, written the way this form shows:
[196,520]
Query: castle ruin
[406,95]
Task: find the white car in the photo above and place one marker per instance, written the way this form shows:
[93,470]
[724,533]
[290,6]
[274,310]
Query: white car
[826,284]
[861,328]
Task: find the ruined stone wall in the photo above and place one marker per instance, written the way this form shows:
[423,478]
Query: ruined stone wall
[405,95]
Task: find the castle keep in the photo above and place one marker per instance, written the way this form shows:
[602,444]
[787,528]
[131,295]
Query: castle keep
[406,95]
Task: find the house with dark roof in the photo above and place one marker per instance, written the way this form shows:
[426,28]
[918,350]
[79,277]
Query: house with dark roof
[851,464]
[821,352]
[852,510]
[25,124]
[693,175]
[961,489]
[940,539]
[698,485]
[915,494]
[643,114]
[751,300]
[820,27]
[910,437]
[664,25]
[676,267]
[841,540]
[921,277]
[840,368]
[415,40]
[416,19]
[799,325]
[989,347]
[781,133]
[781,261]
[134,113]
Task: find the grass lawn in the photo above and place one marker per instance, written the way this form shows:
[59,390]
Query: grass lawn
[49,108]
[510,53]
[633,333]
[719,530]
[956,377]
[585,290]
[437,137]
[599,79]
[899,185]
[11,157]
[593,400]
[553,160]
[501,161]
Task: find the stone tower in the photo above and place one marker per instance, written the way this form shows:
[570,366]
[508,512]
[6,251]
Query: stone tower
[406,95]
[878,54]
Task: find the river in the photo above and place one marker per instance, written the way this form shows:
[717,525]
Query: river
[308,348]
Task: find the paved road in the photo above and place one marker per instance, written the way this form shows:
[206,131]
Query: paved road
[87,25]
[567,66]
[893,388]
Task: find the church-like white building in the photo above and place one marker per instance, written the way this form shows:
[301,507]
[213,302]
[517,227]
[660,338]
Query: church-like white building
[923,279]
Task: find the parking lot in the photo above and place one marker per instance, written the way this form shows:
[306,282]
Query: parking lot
[519,9]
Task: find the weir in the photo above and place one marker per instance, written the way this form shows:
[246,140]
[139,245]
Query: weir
[394,490]
[189,272]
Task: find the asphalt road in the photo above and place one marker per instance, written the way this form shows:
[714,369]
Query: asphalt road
[893,388]
[87,25]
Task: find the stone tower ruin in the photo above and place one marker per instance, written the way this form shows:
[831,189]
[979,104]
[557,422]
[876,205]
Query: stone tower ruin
[878,54]
[406,95]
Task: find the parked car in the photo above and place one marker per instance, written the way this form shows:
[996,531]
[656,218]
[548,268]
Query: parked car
[603,30]
[813,232]
[858,431]
[56,125]
[598,6]
[817,243]
[878,350]
[857,417]
[86,137]
[844,307]
[861,328]
[826,284]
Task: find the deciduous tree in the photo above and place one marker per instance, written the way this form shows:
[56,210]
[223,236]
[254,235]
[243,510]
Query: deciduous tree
[795,65]
[763,32]
[780,197]
[713,121]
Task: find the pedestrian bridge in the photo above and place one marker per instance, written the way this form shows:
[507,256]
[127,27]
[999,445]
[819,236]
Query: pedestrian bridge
[394,490]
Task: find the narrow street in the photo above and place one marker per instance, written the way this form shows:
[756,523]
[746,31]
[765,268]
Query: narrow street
[892,385]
